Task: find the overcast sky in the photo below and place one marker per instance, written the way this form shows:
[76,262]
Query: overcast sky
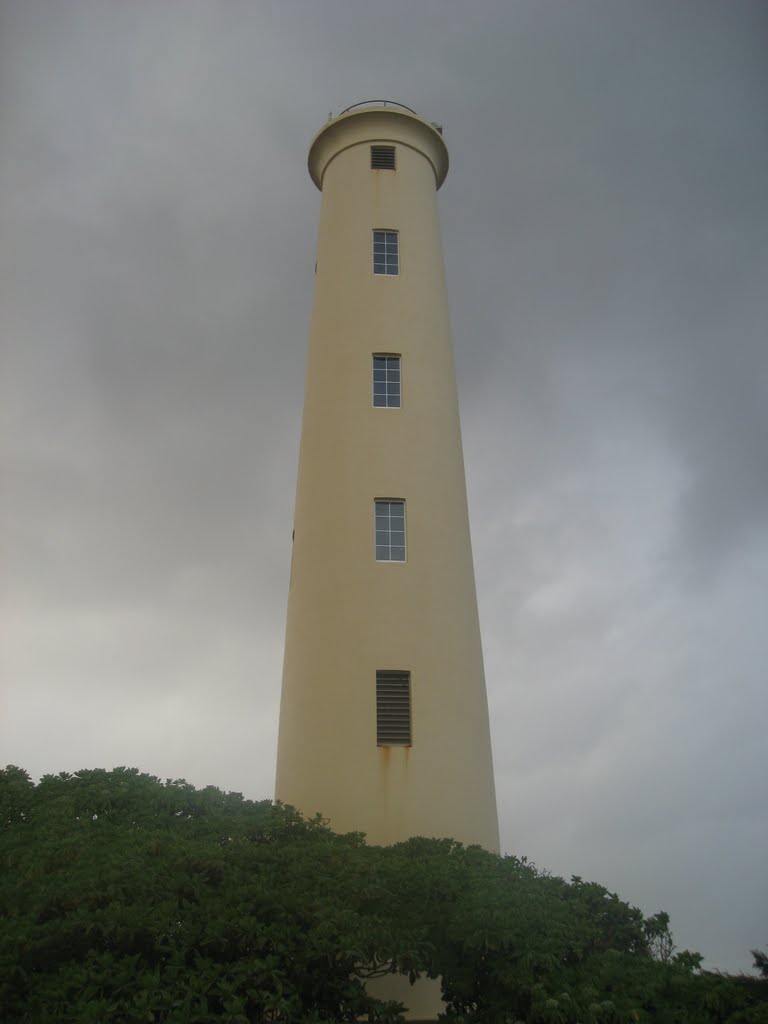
[606,241]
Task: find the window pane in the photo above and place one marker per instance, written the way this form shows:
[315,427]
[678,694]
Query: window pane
[380,401]
[379,374]
[380,362]
[385,246]
[394,401]
[390,530]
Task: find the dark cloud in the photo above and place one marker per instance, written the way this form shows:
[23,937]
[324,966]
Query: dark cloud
[605,240]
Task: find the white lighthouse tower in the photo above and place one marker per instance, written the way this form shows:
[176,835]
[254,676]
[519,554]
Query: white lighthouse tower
[384,719]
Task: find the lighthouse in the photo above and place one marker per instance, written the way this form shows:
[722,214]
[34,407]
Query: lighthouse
[384,719]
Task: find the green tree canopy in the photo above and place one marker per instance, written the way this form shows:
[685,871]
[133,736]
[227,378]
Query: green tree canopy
[129,899]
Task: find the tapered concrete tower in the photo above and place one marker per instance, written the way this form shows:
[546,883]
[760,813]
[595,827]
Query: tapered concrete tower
[384,719]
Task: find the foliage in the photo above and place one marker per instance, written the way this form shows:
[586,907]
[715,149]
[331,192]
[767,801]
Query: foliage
[761,961]
[130,899]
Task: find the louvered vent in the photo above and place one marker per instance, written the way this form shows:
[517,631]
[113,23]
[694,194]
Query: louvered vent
[393,709]
[383,158]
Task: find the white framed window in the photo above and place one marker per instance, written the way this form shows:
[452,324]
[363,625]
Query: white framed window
[393,708]
[386,255]
[389,516]
[386,382]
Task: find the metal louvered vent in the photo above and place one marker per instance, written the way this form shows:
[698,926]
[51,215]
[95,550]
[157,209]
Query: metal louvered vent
[393,709]
[383,158]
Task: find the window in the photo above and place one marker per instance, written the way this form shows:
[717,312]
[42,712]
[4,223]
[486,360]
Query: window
[393,709]
[383,158]
[386,382]
[385,254]
[390,530]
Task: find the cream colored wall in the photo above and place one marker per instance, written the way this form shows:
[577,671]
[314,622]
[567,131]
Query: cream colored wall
[349,615]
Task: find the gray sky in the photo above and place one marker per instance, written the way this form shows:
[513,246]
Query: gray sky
[606,243]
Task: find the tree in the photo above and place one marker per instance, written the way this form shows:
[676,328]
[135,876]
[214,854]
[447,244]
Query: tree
[130,899]
[760,961]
